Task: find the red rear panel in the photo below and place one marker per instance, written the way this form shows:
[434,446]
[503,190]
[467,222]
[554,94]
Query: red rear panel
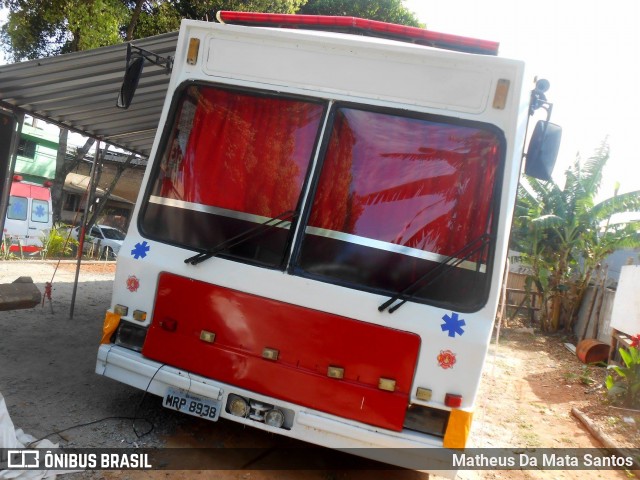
[308,342]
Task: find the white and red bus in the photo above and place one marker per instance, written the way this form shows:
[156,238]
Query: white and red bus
[319,242]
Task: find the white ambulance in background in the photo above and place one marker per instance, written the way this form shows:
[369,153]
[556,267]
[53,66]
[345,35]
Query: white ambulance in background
[29,218]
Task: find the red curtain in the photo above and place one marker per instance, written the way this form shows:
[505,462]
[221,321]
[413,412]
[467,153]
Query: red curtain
[412,182]
[406,181]
[238,151]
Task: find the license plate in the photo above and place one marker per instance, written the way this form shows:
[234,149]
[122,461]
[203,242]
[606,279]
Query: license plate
[191,404]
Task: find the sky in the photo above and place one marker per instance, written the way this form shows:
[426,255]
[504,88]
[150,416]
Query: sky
[589,51]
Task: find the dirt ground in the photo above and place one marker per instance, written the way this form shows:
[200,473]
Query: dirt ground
[47,359]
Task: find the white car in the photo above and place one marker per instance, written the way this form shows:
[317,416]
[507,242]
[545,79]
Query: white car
[109,239]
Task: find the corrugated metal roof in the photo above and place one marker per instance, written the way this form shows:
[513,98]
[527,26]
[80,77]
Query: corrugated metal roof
[79,91]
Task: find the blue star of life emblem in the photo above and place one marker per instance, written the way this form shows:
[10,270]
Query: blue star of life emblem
[140,250]
[18,209]
[39,211]
[453,324]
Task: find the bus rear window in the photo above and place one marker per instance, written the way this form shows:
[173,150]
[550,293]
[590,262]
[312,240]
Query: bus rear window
[398,196]
[232,160]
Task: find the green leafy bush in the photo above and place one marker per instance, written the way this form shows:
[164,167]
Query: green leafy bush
[624,387]
[58,243]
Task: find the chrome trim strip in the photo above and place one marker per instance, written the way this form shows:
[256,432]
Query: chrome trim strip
[390,247]
[321,232]
[223,212]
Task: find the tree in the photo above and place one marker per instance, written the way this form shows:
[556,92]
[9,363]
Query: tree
[165,16]
[41,29]
[135,15]
[63,168]
[99,208]
[564,235]
[392,11]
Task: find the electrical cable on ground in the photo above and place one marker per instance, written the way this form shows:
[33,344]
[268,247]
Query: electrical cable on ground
[133,419]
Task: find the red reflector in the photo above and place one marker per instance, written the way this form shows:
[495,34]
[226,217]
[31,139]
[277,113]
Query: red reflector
[169,324]
[48,184]
[452,400]
[17,178]
[362,26]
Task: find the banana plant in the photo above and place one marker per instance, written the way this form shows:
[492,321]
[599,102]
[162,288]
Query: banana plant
[625,385]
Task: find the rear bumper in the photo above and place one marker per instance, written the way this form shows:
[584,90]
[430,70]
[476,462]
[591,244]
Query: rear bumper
[406,449]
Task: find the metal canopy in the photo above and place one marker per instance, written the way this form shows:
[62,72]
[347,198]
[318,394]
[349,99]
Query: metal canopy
[79,91]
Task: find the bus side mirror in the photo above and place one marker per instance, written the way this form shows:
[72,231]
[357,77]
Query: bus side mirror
[130,82]
[543,150]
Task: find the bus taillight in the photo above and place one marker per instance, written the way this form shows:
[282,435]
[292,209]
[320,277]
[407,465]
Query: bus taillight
[452,400]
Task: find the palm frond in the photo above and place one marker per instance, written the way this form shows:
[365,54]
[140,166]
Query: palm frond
[594,167]
[623,203]
[547,221]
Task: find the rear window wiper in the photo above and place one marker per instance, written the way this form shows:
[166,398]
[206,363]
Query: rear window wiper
[242,237]
[431,276]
